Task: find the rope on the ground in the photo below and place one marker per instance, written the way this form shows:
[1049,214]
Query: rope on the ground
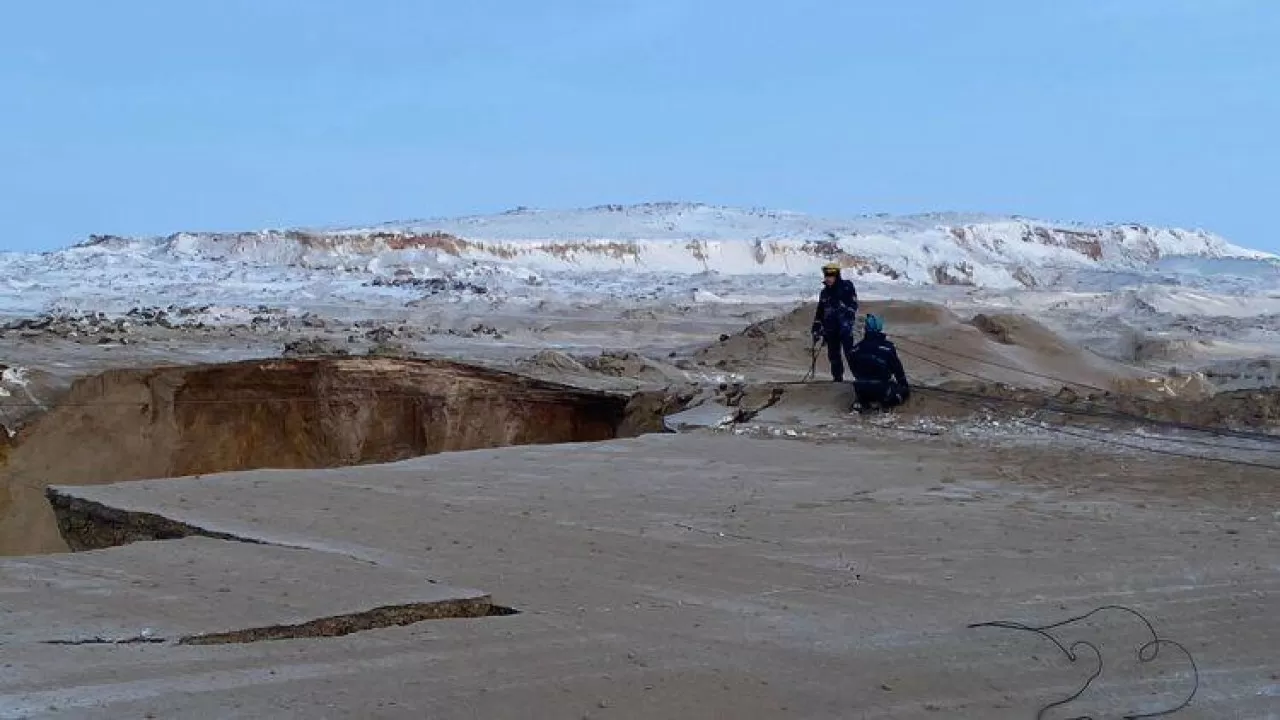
[1162,451]
[1098,414]
[1222,432]
[1110,414]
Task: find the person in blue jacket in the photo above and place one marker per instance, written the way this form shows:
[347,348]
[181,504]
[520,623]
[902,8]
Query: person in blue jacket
[834,319]
[879,378]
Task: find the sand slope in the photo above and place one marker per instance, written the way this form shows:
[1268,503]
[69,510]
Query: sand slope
[937,346]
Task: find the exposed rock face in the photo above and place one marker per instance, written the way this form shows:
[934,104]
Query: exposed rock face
[296,413]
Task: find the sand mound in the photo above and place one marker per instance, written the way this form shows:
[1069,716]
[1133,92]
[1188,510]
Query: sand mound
[612,369]
[555,361]
[626,364]
[1022,331]
[909,313]
[1164,350]
[177,421]
[776,346]
[937,347]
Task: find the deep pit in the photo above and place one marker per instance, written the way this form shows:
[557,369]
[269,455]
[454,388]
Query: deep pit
[296,413]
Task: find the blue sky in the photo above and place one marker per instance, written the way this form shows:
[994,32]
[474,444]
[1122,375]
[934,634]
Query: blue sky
[147,117]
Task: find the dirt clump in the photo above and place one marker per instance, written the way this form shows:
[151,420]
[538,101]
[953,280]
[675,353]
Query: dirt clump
[1165,349]
[313,347]
[297,413]
[647,409]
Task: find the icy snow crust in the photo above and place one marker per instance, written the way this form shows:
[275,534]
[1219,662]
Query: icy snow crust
[682,252]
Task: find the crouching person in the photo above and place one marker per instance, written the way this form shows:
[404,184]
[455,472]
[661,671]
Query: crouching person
[879,378]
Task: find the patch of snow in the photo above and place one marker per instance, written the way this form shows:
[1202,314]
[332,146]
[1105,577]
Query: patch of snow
[12,378]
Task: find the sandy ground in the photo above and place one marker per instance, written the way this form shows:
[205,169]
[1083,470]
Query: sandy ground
[799,562]
[1100,329]
[701,576]
[52,357]
[1067,343]
[200,587]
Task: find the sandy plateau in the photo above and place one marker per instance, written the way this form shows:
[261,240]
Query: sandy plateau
[642,506]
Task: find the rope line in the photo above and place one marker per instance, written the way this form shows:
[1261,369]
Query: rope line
[1086,413]
[1067,410]
[1113,442]
[1264,437]
[1117,413]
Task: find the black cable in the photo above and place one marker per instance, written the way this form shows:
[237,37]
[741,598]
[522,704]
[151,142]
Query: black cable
[1067,410]
[1218,445]
[1116,413]
[993,363]
[1117,443]
[1148,652]
[813,361]
[1161,451]
[1107,441]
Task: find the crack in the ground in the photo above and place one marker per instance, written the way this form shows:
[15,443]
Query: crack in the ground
[99,640]
[339,625]
[331,626]
[88,525]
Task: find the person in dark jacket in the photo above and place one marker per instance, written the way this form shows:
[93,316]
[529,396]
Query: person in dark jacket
[833,321]
[879,378]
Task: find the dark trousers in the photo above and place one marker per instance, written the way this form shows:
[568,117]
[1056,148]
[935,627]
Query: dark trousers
[838,342]
[882,393]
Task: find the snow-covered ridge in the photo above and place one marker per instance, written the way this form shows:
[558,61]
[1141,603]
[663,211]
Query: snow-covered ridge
[689,238]
[684,252]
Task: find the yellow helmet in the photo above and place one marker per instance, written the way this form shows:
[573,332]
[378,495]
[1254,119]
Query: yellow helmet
[831,269]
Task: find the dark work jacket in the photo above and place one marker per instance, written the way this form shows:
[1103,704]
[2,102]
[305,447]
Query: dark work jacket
[875,357]
[837,306]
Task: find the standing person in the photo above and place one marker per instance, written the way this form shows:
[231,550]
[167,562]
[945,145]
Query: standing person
[834,318]
[878,375]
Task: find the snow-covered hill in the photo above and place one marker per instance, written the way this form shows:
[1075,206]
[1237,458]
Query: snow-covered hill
[613,248]
[690,238]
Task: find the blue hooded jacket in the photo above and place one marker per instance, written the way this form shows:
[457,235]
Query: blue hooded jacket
[875,358]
